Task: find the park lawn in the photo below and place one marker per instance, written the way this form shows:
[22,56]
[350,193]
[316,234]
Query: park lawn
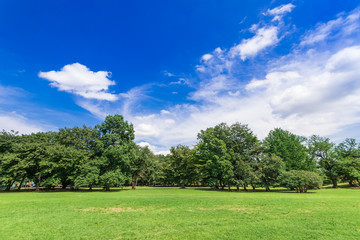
[173,213]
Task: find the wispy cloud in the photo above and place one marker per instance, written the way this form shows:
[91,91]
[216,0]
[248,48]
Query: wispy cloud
[14,121]
[345,24]
[280,11]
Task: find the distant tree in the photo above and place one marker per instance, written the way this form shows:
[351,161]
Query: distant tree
[323,151]
[34,151]
[183,165]
[270,166]
[85,167]
[300,180]
[139,163]
[214,160]
[290,148]
[348,154]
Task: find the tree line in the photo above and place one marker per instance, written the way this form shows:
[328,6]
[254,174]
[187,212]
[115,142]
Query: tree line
[223,157]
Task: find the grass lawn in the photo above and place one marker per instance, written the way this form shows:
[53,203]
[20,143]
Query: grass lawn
[172,213]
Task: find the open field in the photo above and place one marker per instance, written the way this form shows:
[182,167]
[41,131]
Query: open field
[172,213]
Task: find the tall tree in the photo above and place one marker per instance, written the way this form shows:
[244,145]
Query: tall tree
[115,149]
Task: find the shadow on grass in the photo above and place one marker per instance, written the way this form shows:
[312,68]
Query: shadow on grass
[250,190]
[59,190]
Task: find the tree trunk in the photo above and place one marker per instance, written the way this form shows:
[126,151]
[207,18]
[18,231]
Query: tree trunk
[38,184]
[107,188]
[353,183]
[229,187]
[8,186]
[133,183]
[22,180]
[334,182]
[245,188]
[267,189]
[237,188]
[90,187]
[253,186]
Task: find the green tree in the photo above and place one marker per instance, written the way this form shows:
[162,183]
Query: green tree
[290,148]
[213,158]
[76,159]
[115,150]
[323,151]
[184,170]
[348,154]
[139,164]
[300,180]
[271,166]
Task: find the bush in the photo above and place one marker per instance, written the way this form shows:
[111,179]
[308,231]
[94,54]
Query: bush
[300,180]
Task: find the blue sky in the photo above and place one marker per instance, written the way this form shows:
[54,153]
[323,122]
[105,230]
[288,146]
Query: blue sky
[175,67]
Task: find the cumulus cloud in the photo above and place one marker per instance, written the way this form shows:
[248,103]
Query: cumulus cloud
[78,79]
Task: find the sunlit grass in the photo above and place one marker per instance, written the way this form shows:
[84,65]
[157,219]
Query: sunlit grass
[172,213]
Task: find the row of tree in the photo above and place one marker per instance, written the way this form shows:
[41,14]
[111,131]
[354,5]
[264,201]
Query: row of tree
[224,156]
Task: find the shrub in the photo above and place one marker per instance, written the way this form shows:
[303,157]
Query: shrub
[300,180]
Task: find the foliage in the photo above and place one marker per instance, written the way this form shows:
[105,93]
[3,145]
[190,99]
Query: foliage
[323,151]
[290,148]
[271,167]
[300,180]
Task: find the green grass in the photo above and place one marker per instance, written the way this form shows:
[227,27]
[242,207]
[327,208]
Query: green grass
[172,213]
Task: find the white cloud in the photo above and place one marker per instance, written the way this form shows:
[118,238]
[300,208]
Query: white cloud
[78,79]
[154,149]
[280,11]
[14,121]
[341,26]
[206,57]
[264,37]
[169,74]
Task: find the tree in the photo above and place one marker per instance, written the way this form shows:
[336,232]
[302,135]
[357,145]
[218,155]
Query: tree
[138,163]
[290,148]
[34,151]
[114,148]
[271,166]
[300,180]
[323,151]
[74,154]
[243,148]
[183,166]
[214,160]
[10,164]
[155,173]
[348,154]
